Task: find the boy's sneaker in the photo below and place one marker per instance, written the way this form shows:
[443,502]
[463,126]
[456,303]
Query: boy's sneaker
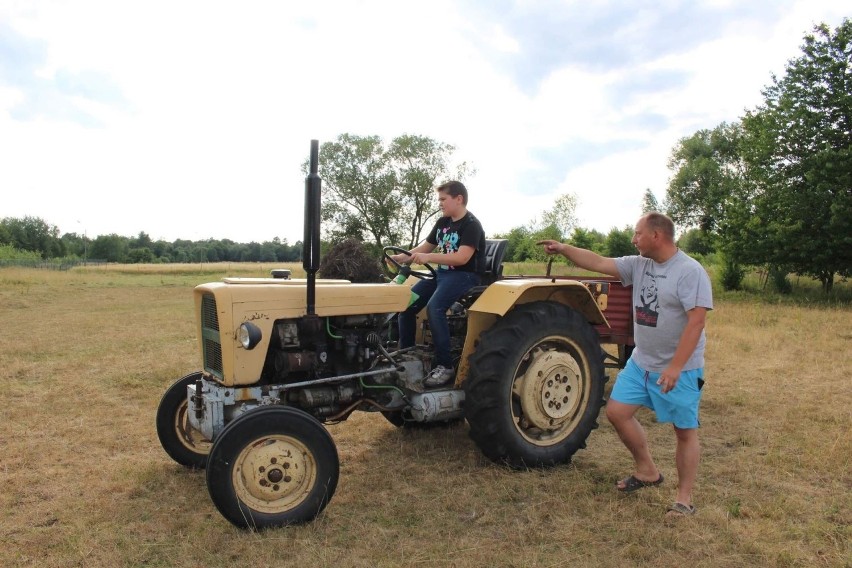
[440,375]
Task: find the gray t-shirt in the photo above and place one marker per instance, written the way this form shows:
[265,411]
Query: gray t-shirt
[662,294]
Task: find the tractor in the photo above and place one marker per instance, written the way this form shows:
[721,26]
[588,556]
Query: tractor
[282,357]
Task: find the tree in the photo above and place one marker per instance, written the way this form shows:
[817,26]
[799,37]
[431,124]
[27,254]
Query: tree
[419,163]
[111,248]
[800,147]
[140,255]
[562,216]
[32,234]
[141,241]
[590,239]
[385,196]
[517,249]
[619,242]
[696,241]
[708,172]
[649,202]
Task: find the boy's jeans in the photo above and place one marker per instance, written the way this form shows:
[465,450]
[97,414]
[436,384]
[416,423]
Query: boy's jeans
[437,295]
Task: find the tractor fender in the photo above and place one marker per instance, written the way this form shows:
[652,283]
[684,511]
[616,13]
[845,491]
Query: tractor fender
[589,299]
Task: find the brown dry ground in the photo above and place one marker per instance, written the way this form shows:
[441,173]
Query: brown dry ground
[85,356]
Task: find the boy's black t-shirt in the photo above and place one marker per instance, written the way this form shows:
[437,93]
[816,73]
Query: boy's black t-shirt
[449,236]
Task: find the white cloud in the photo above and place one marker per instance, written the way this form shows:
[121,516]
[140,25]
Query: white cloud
[221,100]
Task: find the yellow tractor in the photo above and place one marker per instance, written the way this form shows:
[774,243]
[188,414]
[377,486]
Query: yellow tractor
[281,357]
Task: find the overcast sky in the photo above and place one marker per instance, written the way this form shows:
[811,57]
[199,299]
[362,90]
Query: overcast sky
[190,119]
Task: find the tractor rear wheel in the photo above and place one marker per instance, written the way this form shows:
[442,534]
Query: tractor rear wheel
[535,386]
[271,467]
[186,445]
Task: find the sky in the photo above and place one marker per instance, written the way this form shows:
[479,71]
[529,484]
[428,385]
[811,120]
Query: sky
[190,119]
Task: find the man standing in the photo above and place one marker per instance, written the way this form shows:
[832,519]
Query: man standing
[460,239]
[671,297]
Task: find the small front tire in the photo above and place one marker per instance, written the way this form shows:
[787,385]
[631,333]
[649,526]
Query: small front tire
[184,444]
[272,467]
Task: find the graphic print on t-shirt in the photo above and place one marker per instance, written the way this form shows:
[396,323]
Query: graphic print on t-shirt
[648,311]
[448,241]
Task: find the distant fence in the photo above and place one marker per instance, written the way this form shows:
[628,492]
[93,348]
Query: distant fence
[50,264]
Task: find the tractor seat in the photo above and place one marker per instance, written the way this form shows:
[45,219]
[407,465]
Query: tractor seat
[495,250]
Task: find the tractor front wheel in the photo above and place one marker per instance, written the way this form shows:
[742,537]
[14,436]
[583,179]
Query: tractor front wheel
[535,386]
[186,445]
[272,467]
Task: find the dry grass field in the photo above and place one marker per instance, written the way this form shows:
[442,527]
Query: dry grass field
[86,354]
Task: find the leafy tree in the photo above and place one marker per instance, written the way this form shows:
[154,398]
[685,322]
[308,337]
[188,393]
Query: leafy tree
[619,242]
[536,252]
[562,216]
[111,248]
[32,234]
[381,195]
[141,241]
[800,146]
[140,255]
[75,245]
[649,202]
[589,239]
[419,165]
[708,173]
[555,224]
[517,249]
[696,241]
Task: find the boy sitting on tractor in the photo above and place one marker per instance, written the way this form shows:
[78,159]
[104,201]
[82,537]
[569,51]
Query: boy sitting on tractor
[460,239]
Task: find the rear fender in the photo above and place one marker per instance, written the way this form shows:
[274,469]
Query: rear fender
[587,298]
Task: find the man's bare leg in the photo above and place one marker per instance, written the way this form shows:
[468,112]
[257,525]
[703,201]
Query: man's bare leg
[622,416]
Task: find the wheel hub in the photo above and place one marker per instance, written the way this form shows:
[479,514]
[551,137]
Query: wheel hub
[551,390]
[274,473]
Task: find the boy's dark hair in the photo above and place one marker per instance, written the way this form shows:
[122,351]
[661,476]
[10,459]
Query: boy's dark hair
[454,189]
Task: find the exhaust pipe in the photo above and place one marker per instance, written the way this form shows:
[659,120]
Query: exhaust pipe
[311,241]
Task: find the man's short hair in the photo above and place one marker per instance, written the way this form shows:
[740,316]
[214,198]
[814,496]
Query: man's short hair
[659,222]
[454,189]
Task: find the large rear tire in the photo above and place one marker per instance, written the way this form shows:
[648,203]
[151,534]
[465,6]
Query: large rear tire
[184,444]
[535,386]
[272,467]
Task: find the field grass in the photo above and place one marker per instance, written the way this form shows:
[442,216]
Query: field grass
[86,354]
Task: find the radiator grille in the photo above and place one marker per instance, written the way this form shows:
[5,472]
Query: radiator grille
[213,357]
[209,318]
[210,334]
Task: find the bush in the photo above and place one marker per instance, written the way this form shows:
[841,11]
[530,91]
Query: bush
[351,260]
[732,275]
[8,252]
[696,241]
[779,280]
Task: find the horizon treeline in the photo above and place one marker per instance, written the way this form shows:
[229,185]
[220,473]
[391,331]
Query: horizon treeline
[32,238]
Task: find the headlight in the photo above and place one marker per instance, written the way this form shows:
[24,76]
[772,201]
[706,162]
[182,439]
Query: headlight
[249,335]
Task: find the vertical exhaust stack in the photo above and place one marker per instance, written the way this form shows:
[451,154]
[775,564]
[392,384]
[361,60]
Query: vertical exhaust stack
[311,242]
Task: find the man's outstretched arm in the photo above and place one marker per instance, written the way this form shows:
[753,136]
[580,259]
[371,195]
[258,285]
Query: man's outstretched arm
[583,258]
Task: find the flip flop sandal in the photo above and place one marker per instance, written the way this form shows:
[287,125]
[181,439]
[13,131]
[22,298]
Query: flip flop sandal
[679,509]
[633,483]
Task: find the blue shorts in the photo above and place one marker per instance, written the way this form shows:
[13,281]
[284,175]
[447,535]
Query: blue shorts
[679,406]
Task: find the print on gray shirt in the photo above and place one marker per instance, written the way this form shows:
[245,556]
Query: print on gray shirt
[663,293]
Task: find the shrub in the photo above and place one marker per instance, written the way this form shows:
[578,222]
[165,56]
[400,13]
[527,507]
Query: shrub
[8,252]
[351,260]
[780,281]
[732,275]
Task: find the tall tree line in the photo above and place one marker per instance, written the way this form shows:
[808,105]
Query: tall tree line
[35,236]
[775,189]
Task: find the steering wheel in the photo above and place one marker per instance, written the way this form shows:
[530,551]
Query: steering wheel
[404,268]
